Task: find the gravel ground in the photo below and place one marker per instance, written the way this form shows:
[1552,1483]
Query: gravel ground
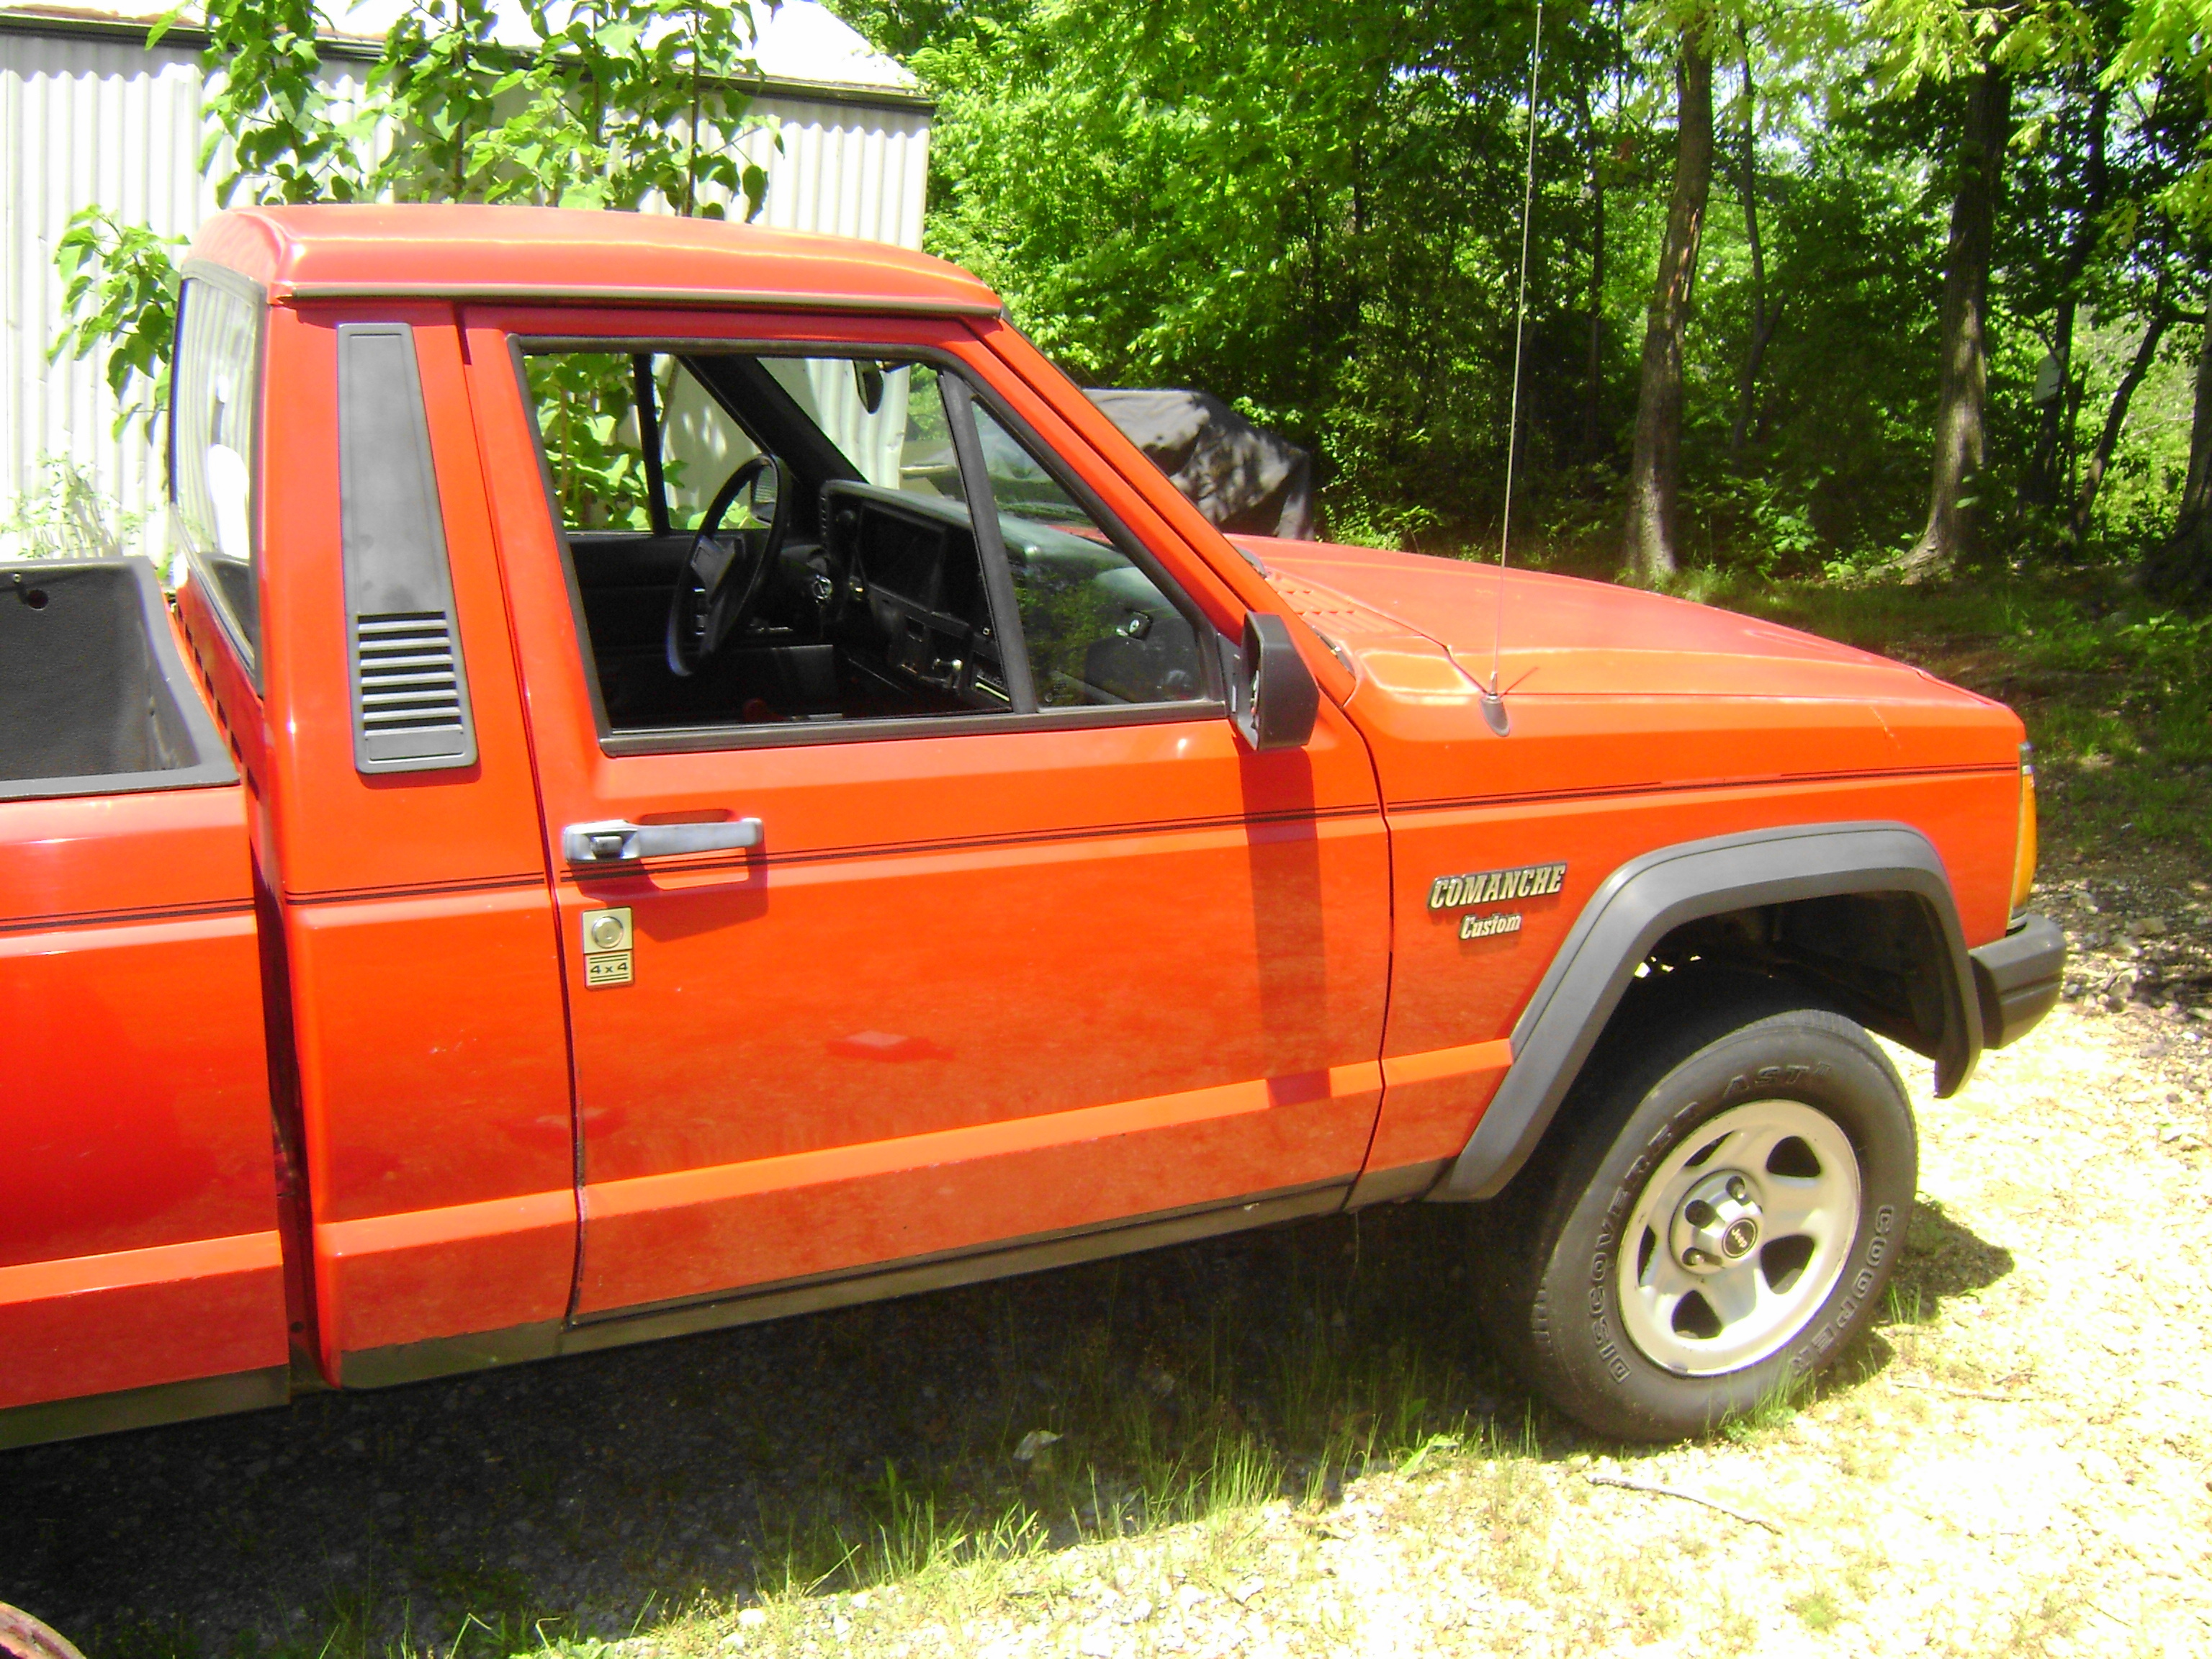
[2017,1462]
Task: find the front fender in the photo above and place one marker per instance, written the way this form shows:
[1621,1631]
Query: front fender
[1647,898]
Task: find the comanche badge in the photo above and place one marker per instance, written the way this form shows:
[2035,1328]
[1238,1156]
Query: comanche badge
[1496,886]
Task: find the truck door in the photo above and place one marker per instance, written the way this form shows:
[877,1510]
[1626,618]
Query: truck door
[915,896]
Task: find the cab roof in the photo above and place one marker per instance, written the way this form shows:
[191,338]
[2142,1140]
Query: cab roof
[552,255]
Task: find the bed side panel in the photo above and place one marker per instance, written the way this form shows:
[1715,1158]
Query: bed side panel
[138,1238]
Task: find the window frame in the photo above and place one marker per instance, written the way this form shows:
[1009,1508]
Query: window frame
[245,643]
[1212,702]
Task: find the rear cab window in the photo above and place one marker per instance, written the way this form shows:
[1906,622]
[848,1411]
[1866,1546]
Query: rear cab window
[215,451]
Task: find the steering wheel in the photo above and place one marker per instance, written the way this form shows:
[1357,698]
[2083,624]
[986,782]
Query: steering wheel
[720,584]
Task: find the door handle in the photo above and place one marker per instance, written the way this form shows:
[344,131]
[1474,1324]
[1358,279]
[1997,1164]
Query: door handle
[617,841]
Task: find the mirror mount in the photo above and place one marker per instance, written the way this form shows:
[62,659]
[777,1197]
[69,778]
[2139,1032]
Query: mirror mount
[1273,695]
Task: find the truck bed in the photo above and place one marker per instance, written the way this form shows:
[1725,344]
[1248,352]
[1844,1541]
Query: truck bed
[94,695]
[139,1259]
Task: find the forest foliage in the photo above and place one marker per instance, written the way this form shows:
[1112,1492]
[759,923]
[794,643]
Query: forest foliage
[1816,286]
[1313,208]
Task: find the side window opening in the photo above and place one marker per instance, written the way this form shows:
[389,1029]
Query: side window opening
[214,409]
[795,551]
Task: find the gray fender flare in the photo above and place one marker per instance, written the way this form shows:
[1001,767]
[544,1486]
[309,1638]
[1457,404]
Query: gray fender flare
[1642,901]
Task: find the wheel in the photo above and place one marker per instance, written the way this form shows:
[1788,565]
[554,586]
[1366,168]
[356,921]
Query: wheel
[1715,1215]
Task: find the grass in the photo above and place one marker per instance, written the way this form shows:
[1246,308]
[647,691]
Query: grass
[1163,1422]
[1817,1608]
[2049,1613]
[1299,1358]
[1776,1409]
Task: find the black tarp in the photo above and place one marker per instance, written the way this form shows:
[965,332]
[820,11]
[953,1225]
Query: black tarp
[1244,478]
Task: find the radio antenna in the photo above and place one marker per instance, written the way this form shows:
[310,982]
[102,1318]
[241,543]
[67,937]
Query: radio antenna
[1493,695]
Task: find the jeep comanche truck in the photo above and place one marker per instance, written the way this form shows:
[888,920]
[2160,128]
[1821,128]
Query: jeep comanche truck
[689,775]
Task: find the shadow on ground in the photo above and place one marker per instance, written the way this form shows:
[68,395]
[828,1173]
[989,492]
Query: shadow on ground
[600,1491]
[588,1497]
[1941,1260]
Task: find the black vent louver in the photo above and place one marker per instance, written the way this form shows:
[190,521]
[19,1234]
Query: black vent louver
[409,681]
[411,687]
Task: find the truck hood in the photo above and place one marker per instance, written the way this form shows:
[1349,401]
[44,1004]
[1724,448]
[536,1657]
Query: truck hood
[1424,627]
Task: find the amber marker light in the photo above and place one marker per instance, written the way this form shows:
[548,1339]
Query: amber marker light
[2023,852]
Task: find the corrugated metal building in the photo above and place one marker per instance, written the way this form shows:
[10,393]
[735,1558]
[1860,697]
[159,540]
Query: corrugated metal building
[88,114]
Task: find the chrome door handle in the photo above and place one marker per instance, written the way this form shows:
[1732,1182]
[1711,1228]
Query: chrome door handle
[616,841]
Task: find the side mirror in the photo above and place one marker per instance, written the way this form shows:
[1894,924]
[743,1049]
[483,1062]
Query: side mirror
[868,382]
[1272,697]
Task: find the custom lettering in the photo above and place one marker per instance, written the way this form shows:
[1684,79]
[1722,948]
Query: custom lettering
[1498,921]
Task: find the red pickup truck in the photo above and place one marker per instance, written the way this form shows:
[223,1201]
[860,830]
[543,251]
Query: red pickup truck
[690,775]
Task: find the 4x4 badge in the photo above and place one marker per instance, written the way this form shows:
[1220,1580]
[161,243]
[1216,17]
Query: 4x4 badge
[607,943]
[1496,886]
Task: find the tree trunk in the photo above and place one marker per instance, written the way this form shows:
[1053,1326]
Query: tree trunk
[2185,564]
[1763,322]
[2116,417]
[2040,487]
[2045,473]
[1962,394]
[1648,537]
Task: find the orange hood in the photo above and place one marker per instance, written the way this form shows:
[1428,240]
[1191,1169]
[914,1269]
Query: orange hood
[1611,689]
[1426,625]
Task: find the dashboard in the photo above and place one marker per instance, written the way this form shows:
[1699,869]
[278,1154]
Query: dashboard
[910,566]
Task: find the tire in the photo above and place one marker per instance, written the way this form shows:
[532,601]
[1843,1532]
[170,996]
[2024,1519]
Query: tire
[1645,1316]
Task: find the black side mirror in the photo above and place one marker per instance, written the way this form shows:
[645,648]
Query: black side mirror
[1272,698]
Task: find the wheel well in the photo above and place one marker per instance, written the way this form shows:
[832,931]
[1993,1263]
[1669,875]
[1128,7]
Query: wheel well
[1880,957]
[1858,917]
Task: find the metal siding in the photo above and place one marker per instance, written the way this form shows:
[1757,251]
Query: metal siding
[82,121]
[107,121]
